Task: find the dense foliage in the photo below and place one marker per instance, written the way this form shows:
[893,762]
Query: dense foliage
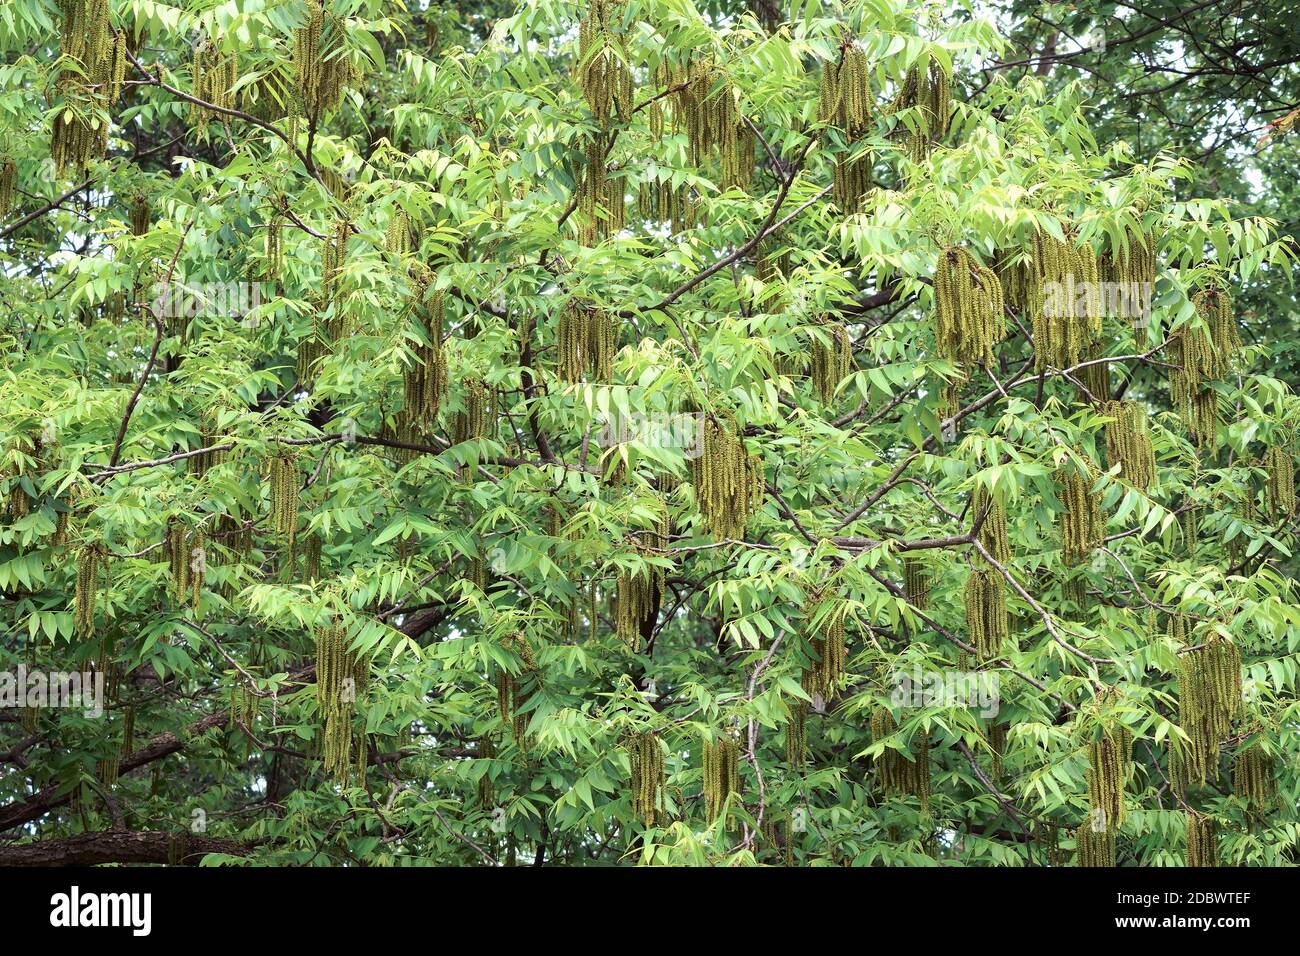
[630,431]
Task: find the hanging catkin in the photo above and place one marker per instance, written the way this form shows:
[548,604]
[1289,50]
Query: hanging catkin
[1128,443]
[916,582]
[342,677]
[601,209]
[1082,529]
[659,201]
[333,257]
[322,69]
[1094,848]
[478,414]
[91,83]
[728,482]
[515,690]
[1279,487]
[1214,306]
[1209,696]
[845,103]
[639,594]
[214,76]
[796,735]
[587,338]
[925,88]
[987,624]
[646,756]
[604,74]
[1254,778]
[707,103]
[831,361]
[897,775]
[824,632]
[993,532]
[1110,756]
[969,312]
[1202,848]
[178,559]
[1065,301]
[8,173]
[721,766]
[283,476]
[426,377]
[1094,378]
[1133,265]
[88,560]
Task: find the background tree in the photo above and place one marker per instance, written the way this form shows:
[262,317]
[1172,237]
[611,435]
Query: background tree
[632,432]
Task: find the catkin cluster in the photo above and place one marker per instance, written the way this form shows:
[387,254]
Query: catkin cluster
[587,338]
[8,173]
[1202,846]
[647,779]
[993,531]
[728,482]
[187,560]
[515,690]
[925,88]
[1134,263]
[426,377]
[896,775]
[658,200]
[214,76]
[601,210]
[480,410]
[322,68]
[969,312]
[796,735]
[1065,304]
[639,594]
[604,74]
[1110,759]
[1279,488]
[1128,443]
[90,85]
[831,361]
[89,559]
[1095,848]
[283,477]
[707,105]
[824,632]
[1209,697]
[721,758]
[916,582]
[987,623]
[342,677]
[845,101]
[1081,526]
[1254,777]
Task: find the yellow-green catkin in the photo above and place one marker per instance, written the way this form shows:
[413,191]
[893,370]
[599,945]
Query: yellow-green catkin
[896,774]
[1254,777]
[476,418]
[831,361]
[604,70]
[1094,847]
[993,530]
[845,103]
[1214,306]
[342,677]
[1128,443]
[1110,757]
[1279,487]
[283,477]
[1081,527]
[8,174]
[796,735]
[1093,380]
[586,340]
[646,784]
[322,68]
[659,201]
[1209,696]
[639,594]
[706,102]
[969,310]
[176,548]
[601,210]
[427,377]
[91,83]
[916,582]
[987,623]
[1064,301]
[487,750]
[213,77]
[89,559]
[1134,263]
[1202,843]
[333,257]
[721,767]
[728,480]
[824,633]
[996,735]
[925,89]
[514,690]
